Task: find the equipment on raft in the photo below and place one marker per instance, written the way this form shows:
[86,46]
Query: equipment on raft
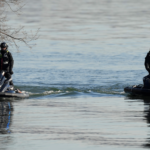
[7,90]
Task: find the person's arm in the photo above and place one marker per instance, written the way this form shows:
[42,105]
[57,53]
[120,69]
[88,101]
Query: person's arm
[11,61]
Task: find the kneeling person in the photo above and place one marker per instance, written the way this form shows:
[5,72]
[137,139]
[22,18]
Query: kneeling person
[6,61]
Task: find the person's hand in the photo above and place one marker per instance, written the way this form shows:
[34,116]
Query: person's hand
[11,72]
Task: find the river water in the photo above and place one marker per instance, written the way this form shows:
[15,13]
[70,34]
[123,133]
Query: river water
[87,52]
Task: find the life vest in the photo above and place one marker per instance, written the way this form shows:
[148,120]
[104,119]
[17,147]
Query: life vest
[4,60]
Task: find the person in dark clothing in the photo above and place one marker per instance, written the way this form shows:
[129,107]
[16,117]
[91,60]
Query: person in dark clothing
[146,79]
[147,62]
[6,61]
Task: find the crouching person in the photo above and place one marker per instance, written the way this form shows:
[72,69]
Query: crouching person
[6,62]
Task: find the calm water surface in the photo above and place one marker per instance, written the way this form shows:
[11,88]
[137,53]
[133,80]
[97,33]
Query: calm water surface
[88,51]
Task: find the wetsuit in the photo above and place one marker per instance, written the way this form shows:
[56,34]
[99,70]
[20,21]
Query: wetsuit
[6,63]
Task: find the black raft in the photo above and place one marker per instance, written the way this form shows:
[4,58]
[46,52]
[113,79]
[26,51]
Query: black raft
[137,90]
[7,90]
[142,89]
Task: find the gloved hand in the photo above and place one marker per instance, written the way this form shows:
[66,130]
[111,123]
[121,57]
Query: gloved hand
[11,72]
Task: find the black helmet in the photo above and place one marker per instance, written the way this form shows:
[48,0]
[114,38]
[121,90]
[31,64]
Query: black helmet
[4,45]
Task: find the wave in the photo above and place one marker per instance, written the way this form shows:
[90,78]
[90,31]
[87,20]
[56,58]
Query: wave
[74,90]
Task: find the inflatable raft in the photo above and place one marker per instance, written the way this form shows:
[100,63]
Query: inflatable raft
[137,90]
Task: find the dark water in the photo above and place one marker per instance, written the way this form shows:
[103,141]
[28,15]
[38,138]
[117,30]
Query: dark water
[87,52]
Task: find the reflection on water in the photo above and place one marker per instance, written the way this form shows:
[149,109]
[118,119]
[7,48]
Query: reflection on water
[5,116]
[89,121]
[146,113]
[147,117]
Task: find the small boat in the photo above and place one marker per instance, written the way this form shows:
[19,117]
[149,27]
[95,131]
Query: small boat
[137,90]
[7,90]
